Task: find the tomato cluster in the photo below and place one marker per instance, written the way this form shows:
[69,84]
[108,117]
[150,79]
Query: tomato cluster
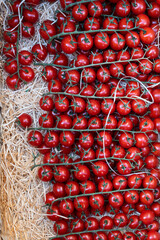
[98,134]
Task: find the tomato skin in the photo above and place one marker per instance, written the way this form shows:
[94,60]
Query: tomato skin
[115,234]
[142,20]
[13,21]
[147,217]
[24,120]
[86,140]
[10,66]
[85,41]
[49,73]
[146,197]
[104,139]
[66,207]
[122,8]
[51,139]
[134,181]
[116,70]
[69,44]
[77,225]
[9,50]
[46,120]
[50,198]
[13,82]
[100,235]
[129,235]
[60,227]
[45,173]
[110,23]
[152,52]
[151,161]
[80,13]
[156,208]
[53,47]
[25,57]
[117,41]
[153,235]
[141,234]
[95,9]
[61,174]
[124,107]
[154,10]
[30,15]
[101,40]
[138,6]
[27,74]
[81,203]
[120,220]
[147,35]
[46,103]
[113,199]
[93,107]
[132,39]
[52,213]
[67,138]
[47,30]
[28,30]
[96,201]
[82,172]
[100,168]
[39,52]
[131,196]
[126,140]
[59,189]
[10,35]
[35,138]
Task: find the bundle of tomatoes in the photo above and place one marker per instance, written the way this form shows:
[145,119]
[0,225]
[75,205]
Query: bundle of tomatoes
[99,131]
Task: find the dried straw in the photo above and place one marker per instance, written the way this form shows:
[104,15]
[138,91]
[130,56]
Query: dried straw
[22,194]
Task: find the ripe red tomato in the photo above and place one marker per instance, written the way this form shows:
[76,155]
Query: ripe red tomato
[96,201]
[26,74]
[69,44]
[35,138]
[60,227]
[67,138]
[72,188]
[117,41]
[51,139]
[28,30]
[45,173]
[147,35]
[24,120]
[147,216]
[53,213]
[30,15]
[79,12]
[66,207]
[132,39]
[9,50]
[138,6]
[81,172]
[61,174]
[101,40]
[13,21]
[10,66]
[10,35]
[39,52]
[47,30]
[116,199]
[81,203]
[85,41]
[95,9]
[25,57]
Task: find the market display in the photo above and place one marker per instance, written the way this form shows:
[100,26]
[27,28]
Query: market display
[98,135]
